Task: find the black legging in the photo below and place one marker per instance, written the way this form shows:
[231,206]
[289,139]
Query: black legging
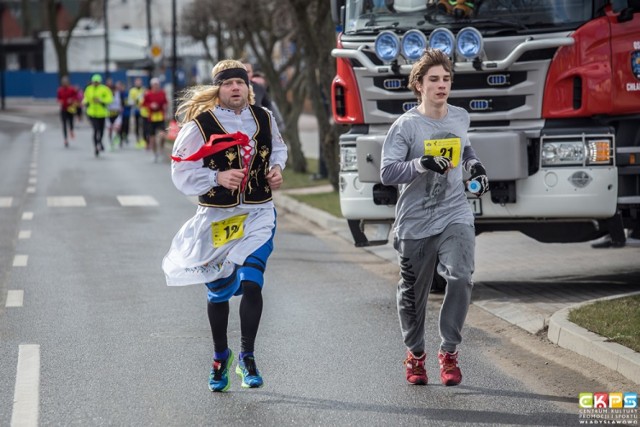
[250,313]
[67,120]
[98,130]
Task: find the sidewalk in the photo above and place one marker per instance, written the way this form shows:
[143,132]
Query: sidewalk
[542,305]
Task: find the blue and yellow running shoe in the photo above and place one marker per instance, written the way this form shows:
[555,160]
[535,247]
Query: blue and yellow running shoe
[219,375]
[249,373]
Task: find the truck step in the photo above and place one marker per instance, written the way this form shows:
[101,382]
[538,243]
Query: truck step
[629,200]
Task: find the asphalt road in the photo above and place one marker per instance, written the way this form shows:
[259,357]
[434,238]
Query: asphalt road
[94,337]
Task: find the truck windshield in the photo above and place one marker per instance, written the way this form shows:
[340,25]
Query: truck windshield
[371,16]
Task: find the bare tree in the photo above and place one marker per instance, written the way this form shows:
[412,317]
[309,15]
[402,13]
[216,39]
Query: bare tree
[61,39]
[293,39]
[269,32]
[204,18]
[317,37]
[27,25]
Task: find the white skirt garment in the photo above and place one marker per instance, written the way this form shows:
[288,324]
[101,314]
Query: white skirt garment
[193,259]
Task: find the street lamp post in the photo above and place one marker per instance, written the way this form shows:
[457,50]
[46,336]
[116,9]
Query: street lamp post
[106,40]
[2,95]
[174,54]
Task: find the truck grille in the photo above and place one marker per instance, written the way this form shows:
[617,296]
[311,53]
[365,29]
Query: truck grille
[471,104]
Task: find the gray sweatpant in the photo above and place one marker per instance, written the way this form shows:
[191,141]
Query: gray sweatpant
[453,252]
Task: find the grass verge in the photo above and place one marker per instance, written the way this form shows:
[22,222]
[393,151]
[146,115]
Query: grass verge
[328,202]
[617,319]
[299,180]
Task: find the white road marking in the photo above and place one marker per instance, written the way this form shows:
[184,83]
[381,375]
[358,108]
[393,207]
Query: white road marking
[31,189]
[33,165]
[5,202]
[24,234]
[15,298]
[20,260]
[137,201]
[33,172]
[27,216]
[16,119]
[26,397]
[33,180]
[66,201]
[38,127]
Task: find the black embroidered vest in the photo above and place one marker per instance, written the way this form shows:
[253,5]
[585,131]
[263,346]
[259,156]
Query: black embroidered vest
[257,188]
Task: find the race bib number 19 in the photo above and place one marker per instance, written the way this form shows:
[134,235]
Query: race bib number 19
[448,147]
[228,229]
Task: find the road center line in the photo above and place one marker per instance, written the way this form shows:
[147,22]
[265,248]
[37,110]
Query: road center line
[20,260]
[15,298]
[26,397]
[24,234]
[137,201]
[66,201]
[27,216]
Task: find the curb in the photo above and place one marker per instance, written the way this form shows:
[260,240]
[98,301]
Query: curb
[561,331]
[317,216]
[588,344]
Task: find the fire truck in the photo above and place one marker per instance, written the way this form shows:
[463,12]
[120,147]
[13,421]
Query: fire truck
[553,92]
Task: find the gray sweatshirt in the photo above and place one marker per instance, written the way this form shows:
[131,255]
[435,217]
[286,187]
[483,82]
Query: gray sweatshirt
[428,201]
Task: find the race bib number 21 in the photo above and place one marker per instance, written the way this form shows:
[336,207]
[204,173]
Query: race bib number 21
[447,147]
[228,229]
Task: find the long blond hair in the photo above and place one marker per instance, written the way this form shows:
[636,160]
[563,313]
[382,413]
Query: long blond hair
[198,99]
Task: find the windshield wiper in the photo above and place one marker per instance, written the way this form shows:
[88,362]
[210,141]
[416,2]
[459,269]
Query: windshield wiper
[393,26]
[504,22]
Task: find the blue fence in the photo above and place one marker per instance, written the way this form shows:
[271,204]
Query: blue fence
[41,85]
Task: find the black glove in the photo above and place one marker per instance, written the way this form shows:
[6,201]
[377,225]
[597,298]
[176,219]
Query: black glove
[479,174]
[437,164]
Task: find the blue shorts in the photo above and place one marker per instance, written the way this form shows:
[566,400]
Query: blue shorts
[252,270]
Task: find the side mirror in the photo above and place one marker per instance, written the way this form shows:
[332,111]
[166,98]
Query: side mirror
[633,6]
[336,11]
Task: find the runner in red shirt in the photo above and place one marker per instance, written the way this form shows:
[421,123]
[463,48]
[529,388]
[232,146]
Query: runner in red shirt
[155,101]
[68,100]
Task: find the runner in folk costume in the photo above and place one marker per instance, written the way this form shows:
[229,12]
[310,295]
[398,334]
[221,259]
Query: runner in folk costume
[230,154]
[425,153]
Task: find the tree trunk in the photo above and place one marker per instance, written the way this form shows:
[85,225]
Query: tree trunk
[318,39]
[61,44]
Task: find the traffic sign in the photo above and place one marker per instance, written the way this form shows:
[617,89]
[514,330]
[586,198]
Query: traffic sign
[156,51]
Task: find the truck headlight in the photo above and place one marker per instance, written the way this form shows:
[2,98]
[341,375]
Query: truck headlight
[563,153]
[584,151]
[413,44]
[599,151]
[469,43]
[387,46]
[348,159]
[443,39]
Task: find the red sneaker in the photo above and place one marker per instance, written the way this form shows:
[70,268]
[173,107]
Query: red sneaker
[449,372]
[416,374]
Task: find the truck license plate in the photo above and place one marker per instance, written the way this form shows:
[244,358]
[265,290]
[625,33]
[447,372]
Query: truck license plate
[476,206]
